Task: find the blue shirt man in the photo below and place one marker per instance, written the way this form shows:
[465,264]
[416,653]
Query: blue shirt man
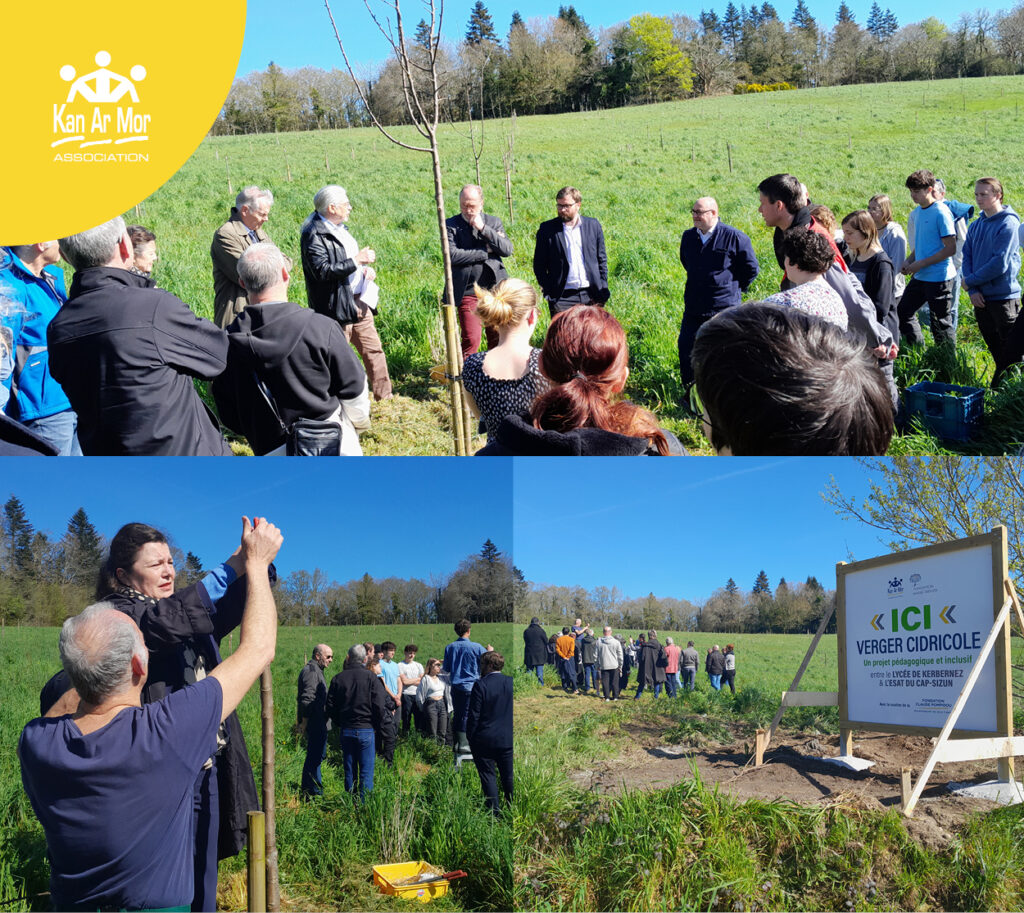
[31,293]
[461,658]
[931,269]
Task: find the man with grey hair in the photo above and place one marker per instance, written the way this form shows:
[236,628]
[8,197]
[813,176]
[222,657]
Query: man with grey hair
[243,228]
[477,242]
[312,717]
[112,783]
[287,355]
[356,706]
[33,284]
[126,353]
[609,661]
[341,283]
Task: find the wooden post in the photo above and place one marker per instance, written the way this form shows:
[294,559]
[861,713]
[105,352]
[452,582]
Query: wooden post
[845,742]
[257,865]
[906,785]
[800,672]
[760,745]
[272,897]
[728,149]
[958,707]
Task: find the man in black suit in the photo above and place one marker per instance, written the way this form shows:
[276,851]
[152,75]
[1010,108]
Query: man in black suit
[489,728]
[569,259]
[477,242]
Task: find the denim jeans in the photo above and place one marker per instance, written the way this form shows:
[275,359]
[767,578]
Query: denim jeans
[716,682]
[316,751]
[590,677]
[460,707]
[690,678]
[539,671]
[357,750]
[640,689]
[59,429]
[671,683]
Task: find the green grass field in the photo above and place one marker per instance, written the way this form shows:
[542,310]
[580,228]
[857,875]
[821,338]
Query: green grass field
[420,809]
[639,170]
[693,846]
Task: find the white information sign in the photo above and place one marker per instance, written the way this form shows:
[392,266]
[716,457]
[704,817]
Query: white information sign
[912,629]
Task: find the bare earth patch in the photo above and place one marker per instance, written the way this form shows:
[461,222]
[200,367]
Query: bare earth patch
[793,770]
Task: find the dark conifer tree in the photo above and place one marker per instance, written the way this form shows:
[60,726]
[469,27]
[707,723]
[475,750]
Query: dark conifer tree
[844,13]
[761,584]
[481,26]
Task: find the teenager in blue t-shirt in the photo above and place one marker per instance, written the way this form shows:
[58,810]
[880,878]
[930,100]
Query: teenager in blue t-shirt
[461,663]
[931,267]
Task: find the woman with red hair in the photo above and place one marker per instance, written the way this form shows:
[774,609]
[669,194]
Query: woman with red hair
[586,358]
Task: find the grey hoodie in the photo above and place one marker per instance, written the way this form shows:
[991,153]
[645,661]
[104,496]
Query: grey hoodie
[609,653]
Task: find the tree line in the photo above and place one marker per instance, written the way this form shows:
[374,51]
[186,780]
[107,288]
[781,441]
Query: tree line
[559,63]
[786,609]
[45,578]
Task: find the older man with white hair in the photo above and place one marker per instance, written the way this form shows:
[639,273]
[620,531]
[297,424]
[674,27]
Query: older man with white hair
[243,228]
[341,283]
[720,266]
[112,783]
[286,363]
[126,352]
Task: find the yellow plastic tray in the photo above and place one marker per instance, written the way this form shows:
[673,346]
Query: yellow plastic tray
[384,877]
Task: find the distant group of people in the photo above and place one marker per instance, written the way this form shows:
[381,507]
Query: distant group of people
[463,701]
[806,371]
[584,661]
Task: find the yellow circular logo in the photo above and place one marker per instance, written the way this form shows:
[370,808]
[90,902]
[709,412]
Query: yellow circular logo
[108,108]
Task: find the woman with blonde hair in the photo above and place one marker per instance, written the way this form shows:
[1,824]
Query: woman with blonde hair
[586,358]
[505,379]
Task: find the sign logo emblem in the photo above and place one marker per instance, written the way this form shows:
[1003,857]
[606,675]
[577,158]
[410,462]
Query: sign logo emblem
[94,113]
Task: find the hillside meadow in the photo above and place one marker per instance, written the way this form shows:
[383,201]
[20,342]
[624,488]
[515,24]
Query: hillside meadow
[639,170]
[421,809]
[595,830]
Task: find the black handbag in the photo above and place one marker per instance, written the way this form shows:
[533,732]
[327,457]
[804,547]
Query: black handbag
[305,436]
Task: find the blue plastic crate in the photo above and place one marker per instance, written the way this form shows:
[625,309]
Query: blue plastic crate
[948,411]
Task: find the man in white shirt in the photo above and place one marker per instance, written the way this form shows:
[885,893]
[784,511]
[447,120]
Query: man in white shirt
[410,673]
[569,259]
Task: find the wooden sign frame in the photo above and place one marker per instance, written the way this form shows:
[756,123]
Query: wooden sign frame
[996,541]
[952,744]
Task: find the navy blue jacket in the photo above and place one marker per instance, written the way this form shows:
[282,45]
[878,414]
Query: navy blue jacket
[551,258]
[717,273]
[489,721]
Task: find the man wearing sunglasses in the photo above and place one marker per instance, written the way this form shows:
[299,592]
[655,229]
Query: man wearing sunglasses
[720,265]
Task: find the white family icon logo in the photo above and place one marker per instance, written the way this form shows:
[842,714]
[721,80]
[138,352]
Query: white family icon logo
[92,114]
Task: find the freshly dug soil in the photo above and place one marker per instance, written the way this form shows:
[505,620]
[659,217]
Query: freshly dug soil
[793,770]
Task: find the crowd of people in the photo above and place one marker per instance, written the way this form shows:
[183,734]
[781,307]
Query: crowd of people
[137,767]
[602,665]
[108,367]
[461,701]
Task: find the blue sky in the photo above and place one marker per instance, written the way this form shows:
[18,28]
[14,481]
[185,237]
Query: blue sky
[389,517]
[681,528]
[300,33]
